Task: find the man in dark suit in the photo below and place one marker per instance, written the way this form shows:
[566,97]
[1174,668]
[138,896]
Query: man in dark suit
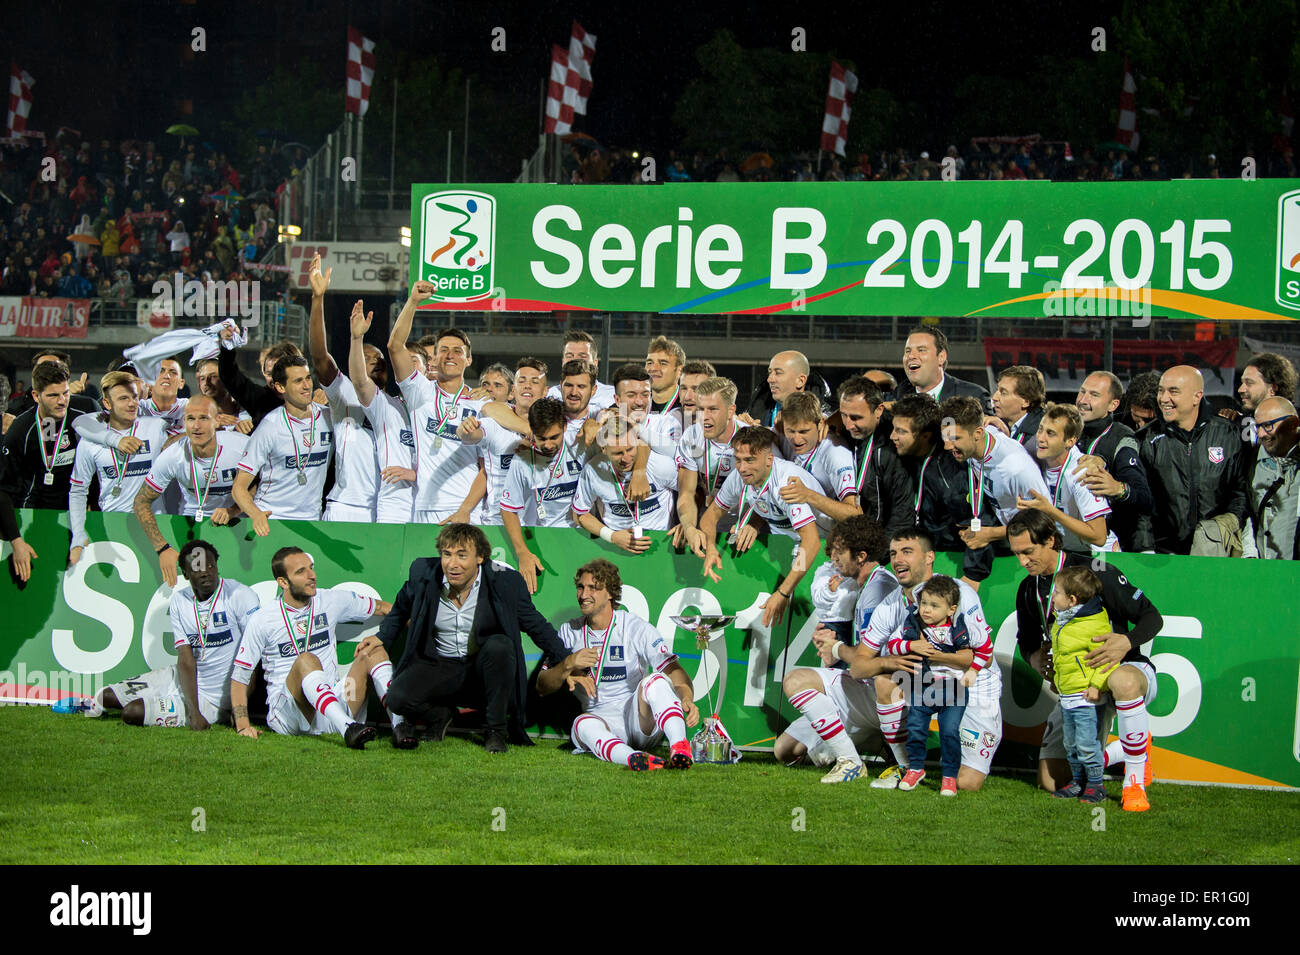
[925,361]
[463,616]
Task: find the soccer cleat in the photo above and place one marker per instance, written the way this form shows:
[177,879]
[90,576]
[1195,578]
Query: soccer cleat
[1134,797]
[888,779]
[1094,794]
[949,786]
[357,735]
[680,756]
[643,762]
[1071,790]
[845,770]
[1148,775]
[494,741]
[403,736]
[911,779]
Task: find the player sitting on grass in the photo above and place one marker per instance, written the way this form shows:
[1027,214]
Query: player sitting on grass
[633,690]
[208,620]
[935,631]
[295,642]
[1080,616]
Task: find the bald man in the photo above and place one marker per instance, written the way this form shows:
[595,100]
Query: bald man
[1273,483]
[1194,463]
[787,372]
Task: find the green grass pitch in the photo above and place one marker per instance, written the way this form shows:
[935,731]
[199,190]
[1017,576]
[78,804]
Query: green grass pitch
[77,790]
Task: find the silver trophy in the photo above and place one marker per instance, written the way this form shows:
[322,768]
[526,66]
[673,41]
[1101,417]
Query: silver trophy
[708,745]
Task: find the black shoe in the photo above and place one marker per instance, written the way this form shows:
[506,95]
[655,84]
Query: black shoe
[438,723]
[494,741]
[403,737]
[357,735]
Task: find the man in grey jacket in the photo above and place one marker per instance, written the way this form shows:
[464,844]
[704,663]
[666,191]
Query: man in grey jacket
[1273,483]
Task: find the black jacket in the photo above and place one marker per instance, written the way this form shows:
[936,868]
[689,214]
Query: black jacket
[951,388]
[1192,475]
[22,467]
[258,400]
[1027,431]
[416,607]
[761,404]
[1116,444]
[945,507]
[1131,612]
[887,491]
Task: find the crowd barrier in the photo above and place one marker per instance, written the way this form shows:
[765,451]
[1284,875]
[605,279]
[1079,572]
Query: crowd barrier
[1227,712]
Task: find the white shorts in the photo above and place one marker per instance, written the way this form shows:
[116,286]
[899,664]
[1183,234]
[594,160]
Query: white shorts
[393,514]
[286,719]
[980,734]
[855,701]
[626,725]
[154,683]
[337,511]
[433,516]
[1053,745]
[169,710]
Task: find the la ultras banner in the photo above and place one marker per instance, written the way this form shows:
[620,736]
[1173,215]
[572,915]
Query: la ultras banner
[1227,709]
[1208,249]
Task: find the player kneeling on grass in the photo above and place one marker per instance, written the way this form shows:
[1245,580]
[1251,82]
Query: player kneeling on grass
[1080,616]
[936,632]
[295,641]
[208,620]
[633,691]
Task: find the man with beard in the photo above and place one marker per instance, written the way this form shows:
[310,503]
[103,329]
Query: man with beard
[694,373]
[881,484]
[229,414]
[1110,466]
[1272,484]
[580,346]
[1266,375]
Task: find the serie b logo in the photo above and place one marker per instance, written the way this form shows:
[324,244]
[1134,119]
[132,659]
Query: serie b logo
[1288,250]
[457,244]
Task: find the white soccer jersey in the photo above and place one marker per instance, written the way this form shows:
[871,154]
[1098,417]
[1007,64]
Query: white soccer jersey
[117,486]
[213,630]
[601,398]
[173,417]
[783,517]
[356,464]
[394,447]
[213,477]
[887,621]
[662,432]
[879,584]
[549,483]
[446,467]
[1008,473]
[832,465]
[600,482]
[714,460]
[497,449]
[292,456]
[630,652]
[277,646]
[1068,493]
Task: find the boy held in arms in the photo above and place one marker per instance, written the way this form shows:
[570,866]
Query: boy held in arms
[935,631]
[1080,617]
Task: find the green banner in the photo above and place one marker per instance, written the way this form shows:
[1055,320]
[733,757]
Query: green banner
[1229,655]
[1212,249]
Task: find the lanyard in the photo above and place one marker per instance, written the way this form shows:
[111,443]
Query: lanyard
[49,461]
[711,476]
[1045,608]
[604,644]
[311,615]
[744,493]
[120,465]
[865,462]
[807,465]
[1097,441]
[298,458]
[920,487]
[201,499]
[633,509]
[671,400]
[202,625]
[1060,482]
[437,404]
[977,483]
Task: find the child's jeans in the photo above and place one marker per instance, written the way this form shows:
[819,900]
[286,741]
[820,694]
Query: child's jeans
[947,700]
[1082,748]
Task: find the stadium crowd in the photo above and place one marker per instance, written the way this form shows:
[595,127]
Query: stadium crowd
[879,474]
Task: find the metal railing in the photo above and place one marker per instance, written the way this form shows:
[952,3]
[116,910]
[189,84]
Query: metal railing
[276,320]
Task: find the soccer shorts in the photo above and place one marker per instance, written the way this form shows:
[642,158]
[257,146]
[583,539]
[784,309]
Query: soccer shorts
[169,710]
[1053,745]
[393,514]
[154,683]
[336,511]
[285,718]
[855,702]
[980,734]
[432,516]
[625,723]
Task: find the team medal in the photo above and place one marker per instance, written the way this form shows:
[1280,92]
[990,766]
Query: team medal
[636,531]
[49,478]
[541,512]
[198,516]
[975,524]
[437,443]
[50,461]
[120,466]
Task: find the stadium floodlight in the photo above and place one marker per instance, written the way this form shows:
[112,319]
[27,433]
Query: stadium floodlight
[404,236]
[288,233]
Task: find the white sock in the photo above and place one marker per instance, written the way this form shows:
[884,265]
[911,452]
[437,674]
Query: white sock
[1134,732]
[1112,754]
[596,738]
[657,691]
[320,694]
[381,674]
[891,727]
[826,722]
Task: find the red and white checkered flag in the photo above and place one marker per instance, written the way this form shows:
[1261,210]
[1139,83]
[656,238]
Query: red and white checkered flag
[1126,133]
[20,99]
[360,72]
[839,100]
[582,50]
[560,98]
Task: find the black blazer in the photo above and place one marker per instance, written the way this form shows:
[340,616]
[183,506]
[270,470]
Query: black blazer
[952,387]
[416,607]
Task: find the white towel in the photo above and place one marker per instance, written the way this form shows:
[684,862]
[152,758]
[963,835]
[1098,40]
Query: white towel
[205,342]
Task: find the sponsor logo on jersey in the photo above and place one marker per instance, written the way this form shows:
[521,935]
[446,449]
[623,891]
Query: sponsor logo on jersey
[969,737]
[648,505]
[616,652]
[558,492]
[314,460]
[613,675]
[407,437]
